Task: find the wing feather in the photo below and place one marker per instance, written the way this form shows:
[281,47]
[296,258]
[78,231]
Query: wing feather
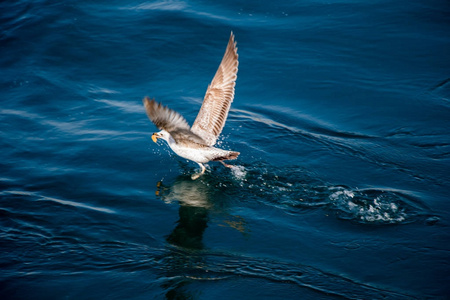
[164,117]
[218,98]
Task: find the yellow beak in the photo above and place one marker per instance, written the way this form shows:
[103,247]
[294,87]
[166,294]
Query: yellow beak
[154,137]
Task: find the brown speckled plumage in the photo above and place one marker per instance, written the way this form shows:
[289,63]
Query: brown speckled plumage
[196,142]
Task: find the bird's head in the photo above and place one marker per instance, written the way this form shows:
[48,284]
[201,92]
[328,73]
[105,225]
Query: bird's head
[160,135]
[155,137]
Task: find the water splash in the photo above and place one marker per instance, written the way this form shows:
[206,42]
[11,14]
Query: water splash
[370,206]
[293,190]
[239,172]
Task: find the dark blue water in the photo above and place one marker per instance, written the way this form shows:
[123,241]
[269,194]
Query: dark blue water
[341,115]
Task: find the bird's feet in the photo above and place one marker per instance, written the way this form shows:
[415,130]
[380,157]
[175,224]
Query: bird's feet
[227,165]
[197,175]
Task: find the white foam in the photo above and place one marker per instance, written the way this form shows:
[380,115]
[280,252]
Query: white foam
[239,172]
[366,208]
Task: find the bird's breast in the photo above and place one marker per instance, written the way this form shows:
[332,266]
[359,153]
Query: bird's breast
[200,155]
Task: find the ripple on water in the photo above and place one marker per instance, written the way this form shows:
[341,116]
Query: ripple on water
[207,266]
[294,190]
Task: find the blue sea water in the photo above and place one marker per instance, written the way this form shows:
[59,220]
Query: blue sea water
[341,115]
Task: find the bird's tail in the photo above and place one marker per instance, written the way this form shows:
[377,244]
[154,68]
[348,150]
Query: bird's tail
[229,155]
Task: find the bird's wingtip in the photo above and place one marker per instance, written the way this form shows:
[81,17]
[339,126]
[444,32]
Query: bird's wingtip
[147,100]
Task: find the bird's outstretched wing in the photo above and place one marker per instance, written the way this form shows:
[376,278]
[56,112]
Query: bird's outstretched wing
[219,95]
[163,117]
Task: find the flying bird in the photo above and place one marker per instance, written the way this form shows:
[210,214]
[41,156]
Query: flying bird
[196,143]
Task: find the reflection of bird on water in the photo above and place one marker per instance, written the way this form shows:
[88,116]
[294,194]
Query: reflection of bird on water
[186,192]
[196,143]
[187,236]
[196,202]
[193,197]
[189,231]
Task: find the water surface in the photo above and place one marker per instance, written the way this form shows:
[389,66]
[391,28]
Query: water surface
[341,115]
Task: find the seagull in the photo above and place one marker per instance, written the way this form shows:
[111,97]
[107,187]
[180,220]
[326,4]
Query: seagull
[196,143]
